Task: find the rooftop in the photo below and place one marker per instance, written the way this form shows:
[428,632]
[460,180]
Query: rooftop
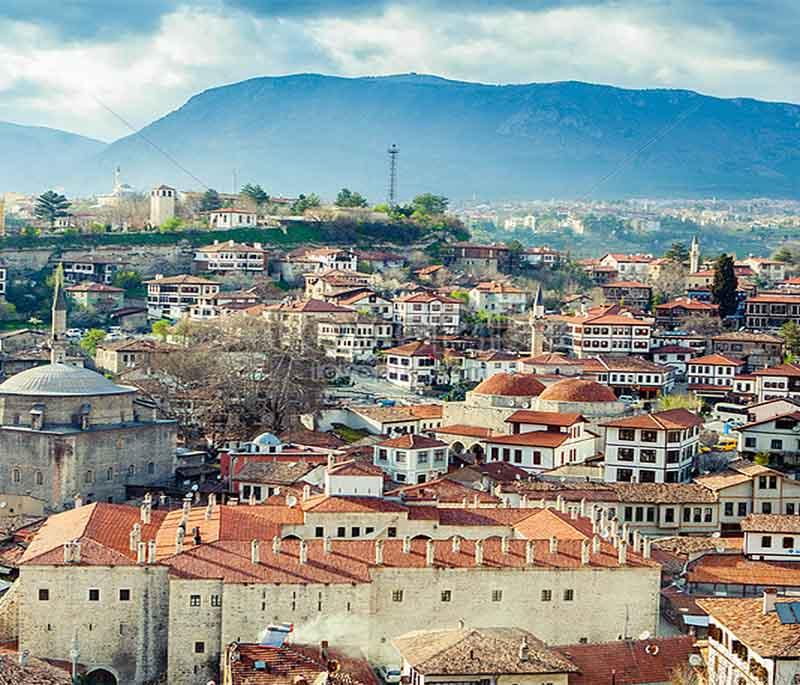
[578,390]
[671,419]
[61,380]
[771,523]
[510,385]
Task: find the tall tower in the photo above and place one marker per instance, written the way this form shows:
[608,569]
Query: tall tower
[694,256]
[392,195]
[58,325]
[536,323]
[162,205]
[117,178]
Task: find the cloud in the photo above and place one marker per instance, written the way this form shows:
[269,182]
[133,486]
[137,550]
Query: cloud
[67,64]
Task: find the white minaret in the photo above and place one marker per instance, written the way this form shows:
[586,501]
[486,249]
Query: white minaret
[536,322]
[162,205]
[694,256]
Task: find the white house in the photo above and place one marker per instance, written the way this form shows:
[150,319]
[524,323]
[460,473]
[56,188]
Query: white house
[652,448]
[628,265]
[778,381]
[366,300]
[498,297]
[353,338]
[413,365]
[713,374]
[411,458]
[230,257]
[772,537]
[422,314]
[777,436]
[230,217]
[173,297]
[353,479]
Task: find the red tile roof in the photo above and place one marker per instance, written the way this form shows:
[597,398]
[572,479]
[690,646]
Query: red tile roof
[717,360]
[629,662]
[549,418]
[412,441]
[415,349]
[531,439]
[510,385]
[465,430]
[671,419]
[739,570]
[578,390]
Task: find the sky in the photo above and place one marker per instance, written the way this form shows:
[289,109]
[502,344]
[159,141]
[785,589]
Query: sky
[103,68]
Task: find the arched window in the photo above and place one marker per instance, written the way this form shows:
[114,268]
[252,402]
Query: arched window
[39,478]
[16,475]
[110,473]
[89,477]
[132,470]
[151,468]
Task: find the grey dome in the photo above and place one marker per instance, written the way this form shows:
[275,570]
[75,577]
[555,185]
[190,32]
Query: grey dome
[61,380]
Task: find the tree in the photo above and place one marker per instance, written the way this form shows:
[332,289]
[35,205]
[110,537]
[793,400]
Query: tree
[256,194]
[678,252]
[91,339]
[304,202]
[128,280]
[348,198]
[784,254]
[51,206]
[160,329]
[724,285]
[171,225]
[428,204]
[211,201]
[688,401]
[671,281]
[790,332]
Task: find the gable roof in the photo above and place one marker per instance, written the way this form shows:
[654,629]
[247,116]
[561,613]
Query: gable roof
[549,418]
[412,441]
[670,419]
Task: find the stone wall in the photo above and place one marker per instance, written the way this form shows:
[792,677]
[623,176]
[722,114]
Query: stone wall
[9,616]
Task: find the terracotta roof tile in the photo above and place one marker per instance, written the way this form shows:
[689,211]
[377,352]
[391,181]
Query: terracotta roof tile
[771,523]
[412,441]
[549,418]
[510,385]
[671,419]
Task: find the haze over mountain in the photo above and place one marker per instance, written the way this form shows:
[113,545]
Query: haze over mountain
[312,133]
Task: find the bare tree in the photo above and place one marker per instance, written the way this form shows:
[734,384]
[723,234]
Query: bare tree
[671,281]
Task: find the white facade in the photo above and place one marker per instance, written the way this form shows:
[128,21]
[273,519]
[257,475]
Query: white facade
[162,205]
[175,297]
[232,218]
[498,298]
[411,459]
[353,340]
[424,314]
[231,257]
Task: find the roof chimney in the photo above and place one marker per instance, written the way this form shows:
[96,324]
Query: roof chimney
[584,552]
[303,552]
[306,492]
[255,551]
[582,509]
[614,527]
[530,552]
[141,553]
[324,653]
[326,544]
[595,544]
[179,540]
[523,649]
[430,553]
[209,510]
[135,537]
[406,544]
[196,537]
[78,501]
[478,552]
[151,552]
[647,548]
[276,545]
[456,542]
[637,541]
[252,499]
[622,552]
[553,545]
[768,600]
[144,513]
[378,552]
[523,501]
[573,513]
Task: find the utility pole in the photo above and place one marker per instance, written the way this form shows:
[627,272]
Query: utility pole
[392,195]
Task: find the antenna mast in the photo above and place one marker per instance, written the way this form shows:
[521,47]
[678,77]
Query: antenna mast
[392,196]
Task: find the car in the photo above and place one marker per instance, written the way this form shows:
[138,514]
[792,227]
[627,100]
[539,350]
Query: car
[390,673]
[73,333]
[627,399]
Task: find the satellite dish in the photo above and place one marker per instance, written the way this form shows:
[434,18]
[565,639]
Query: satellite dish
[696,660]
[645,635]
[195,487]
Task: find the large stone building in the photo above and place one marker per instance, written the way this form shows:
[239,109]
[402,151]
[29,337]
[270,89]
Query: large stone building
[66,430]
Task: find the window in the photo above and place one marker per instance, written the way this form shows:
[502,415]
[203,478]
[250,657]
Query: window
[569,595]
[88,477]
[669,515]
[547,595]
[741,509]
[447,595]
[391,532]
[341,532]
[647,456]
[194,600]
[766,507]
[110,473]
[216,600]
[94,595]
[151,468]
[44,594]
[355,532]
[687,514]
[497,595]
[776,444]
[627,434]
[790,508]
[319,531]
[646,476]
[787,543]
[397,595]
[766,541]
[124,595]
[750,442]
[728,508]
[624,475]
[199,647]
[649,436]
[625,454]
[39,478]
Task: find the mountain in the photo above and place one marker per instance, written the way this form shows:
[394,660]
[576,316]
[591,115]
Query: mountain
[36,159]
[318,133]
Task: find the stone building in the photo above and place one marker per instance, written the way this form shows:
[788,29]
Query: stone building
[66,430]
[149,593]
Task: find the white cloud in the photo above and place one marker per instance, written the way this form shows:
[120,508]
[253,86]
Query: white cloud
[44,80]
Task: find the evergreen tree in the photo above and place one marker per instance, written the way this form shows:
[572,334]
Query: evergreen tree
[256,194]
[723,287]
[51,206]
[210,201]
[678,252]
[348,198]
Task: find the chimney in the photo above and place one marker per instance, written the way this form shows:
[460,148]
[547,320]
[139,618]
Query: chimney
[430,553]
[151,552]
[476,501]
[23,657]
[406,544]
[523,502]
[530,552]
[162,500]
[573,513]
[523,650]
[331,461]
[595,544]
[768,600]
[78,501]
[252,499]
[326,544]
[135,537]
[306,492]
[255,551]
[76,551]
[179,541]
[622,552]
[647,548]
[303,552]
[276,545]
[595,526]
[187,504]
[465,502]
[144,513]
[141,553]
[554,545]
[582,507]
[584,552]
[456,542]
[560,503]
[637,541]
[378,552]
[614,526]
[625,533]
[209,511]
[324,653]
[478,552]
[212,500]
[196,537]
[68,553]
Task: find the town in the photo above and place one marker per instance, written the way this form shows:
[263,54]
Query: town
[255,439]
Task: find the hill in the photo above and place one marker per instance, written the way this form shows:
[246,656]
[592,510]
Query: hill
[318,133]
[37,158]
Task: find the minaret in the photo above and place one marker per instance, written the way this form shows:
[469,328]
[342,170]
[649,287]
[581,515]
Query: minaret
[58,329]
[117,179]
[536,322]
[694,256]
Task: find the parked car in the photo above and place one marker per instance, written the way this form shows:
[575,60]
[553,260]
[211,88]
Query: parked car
[390,673]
